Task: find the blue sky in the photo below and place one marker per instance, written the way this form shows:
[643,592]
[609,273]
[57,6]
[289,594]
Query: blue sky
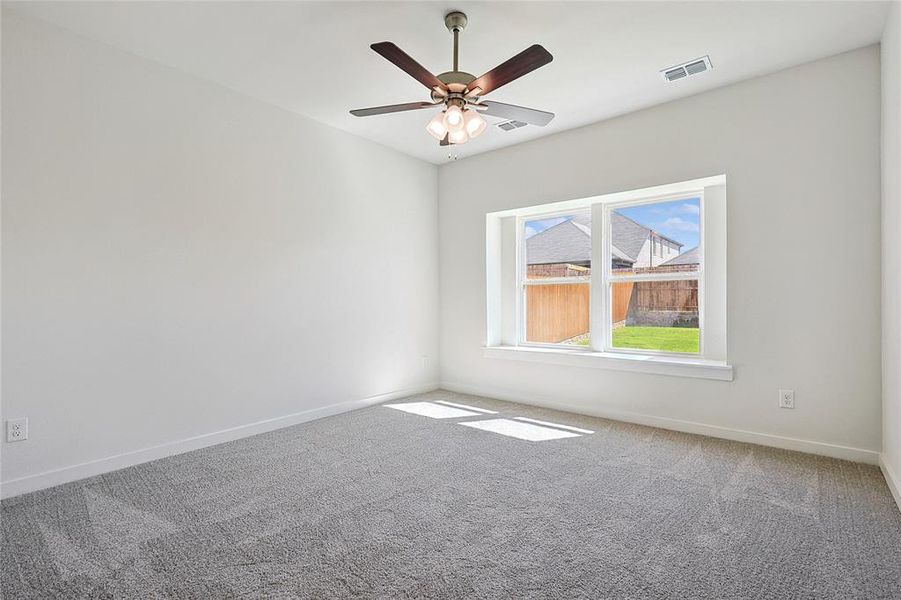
[679,220]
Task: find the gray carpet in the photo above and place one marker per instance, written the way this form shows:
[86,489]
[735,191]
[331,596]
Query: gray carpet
[383,503]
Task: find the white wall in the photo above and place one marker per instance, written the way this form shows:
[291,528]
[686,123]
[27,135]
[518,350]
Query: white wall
[800,149]
[179,259]
[891,249]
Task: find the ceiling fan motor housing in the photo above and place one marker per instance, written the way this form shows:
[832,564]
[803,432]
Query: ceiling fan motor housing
[456,82]
[455,21]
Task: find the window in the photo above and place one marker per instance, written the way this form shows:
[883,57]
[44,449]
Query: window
[555,288]
[637,278]
[654,305]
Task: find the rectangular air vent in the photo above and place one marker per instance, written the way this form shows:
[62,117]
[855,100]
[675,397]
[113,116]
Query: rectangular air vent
[692,67]
[511,125]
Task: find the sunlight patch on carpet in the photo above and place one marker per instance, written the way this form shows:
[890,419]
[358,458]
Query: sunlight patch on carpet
[518,429]
[467,407]
[557,425]
[435,411]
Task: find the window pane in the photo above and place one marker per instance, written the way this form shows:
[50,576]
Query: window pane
[656,315]
[559,246]
[662,237]
[557,313]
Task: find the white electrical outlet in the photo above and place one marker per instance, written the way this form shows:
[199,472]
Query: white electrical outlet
[786,398]
[16,430]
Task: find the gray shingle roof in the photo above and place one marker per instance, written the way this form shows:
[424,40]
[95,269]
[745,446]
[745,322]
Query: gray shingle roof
[617,253]
[689,257]
[570,241]
[628,235]
[566,242]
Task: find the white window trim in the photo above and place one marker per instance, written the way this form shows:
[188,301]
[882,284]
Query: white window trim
[503,335]
[618,361]
[603,291]
[522,280]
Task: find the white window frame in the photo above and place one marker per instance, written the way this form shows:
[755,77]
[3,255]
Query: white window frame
[523,282]
[505,268]
[601,288]
[604,289]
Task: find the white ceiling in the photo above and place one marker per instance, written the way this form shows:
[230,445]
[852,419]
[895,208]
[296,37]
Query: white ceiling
[313,58]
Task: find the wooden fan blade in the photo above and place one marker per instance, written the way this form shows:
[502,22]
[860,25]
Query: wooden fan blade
[391,108]
[408,65]
[531,116]
[526,61]
[444,142]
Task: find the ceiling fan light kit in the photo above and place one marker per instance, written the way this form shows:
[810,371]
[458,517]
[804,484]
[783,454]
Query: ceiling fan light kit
[453,118]
[474,123]
[461,93]
[436,127]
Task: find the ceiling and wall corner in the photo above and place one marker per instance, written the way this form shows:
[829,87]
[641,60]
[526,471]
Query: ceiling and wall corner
[313,58]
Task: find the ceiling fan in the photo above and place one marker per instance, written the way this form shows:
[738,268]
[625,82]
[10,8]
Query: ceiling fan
[460,92]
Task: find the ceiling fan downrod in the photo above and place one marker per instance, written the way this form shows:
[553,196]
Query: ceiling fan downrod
[456,22]
[455,81]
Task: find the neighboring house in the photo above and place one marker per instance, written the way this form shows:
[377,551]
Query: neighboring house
[689,258]
[565,248]
[636,246]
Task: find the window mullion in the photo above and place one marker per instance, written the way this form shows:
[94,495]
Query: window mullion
[598,295]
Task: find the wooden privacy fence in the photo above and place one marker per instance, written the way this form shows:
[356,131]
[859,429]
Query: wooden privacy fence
[622,294]
[679,295]
[556,312]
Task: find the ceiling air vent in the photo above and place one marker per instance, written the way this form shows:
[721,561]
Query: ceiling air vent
[692,67]
[511,125]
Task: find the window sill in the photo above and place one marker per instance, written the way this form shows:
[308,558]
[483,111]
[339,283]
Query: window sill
[659,365]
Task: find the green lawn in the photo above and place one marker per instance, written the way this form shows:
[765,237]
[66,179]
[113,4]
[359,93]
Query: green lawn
[667,339]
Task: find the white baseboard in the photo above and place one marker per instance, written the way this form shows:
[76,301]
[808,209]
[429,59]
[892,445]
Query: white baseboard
[891,478]
[47,479]
[738,435]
